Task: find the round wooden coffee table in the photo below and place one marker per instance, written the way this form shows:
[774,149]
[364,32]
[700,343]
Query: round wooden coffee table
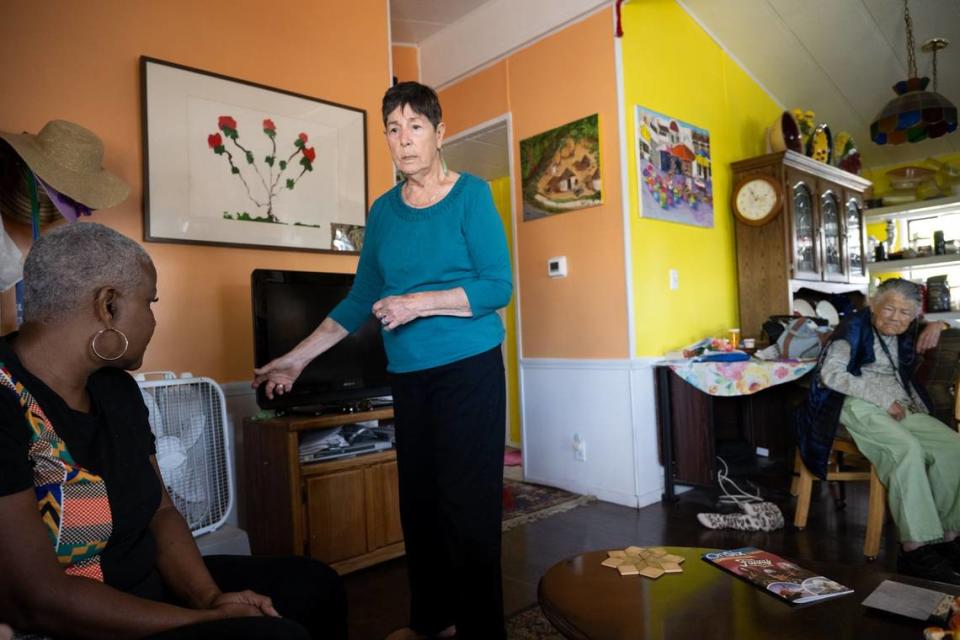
[585,600]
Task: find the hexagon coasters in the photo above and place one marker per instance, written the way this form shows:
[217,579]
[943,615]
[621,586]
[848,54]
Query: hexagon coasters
[649,562]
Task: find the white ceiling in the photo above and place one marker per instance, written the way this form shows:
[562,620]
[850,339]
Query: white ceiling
[414,20]
[839,58]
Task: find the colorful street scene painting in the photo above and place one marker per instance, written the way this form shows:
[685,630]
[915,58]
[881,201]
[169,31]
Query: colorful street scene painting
[560,169]
[673,169]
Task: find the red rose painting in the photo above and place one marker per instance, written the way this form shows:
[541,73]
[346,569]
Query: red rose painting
[263,184]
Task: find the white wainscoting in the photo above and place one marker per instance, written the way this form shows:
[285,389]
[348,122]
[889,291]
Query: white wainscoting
[611,405]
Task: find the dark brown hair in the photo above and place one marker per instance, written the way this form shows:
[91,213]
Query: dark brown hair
[421,98]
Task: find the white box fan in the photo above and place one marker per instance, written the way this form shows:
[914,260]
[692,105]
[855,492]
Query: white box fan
[188,417]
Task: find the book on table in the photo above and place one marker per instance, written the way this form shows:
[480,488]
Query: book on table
[911,601]
[777,576]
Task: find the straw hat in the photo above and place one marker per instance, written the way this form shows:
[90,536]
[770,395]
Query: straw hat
[14,197]
[67,157]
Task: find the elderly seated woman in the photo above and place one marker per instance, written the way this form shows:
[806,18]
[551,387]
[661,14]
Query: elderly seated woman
[864,382]
[91,545]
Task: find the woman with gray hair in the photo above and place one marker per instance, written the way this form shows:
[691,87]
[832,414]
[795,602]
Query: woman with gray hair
[91,545]
[864,381]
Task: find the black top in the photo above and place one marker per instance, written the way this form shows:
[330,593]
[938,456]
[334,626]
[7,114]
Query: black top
[115,442]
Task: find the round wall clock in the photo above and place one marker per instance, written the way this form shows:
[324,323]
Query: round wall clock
[757,199]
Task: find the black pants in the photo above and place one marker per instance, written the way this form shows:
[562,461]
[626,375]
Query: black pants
[307,593]
[450,426]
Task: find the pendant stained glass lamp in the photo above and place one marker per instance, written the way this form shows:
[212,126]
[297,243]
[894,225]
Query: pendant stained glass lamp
[915,114]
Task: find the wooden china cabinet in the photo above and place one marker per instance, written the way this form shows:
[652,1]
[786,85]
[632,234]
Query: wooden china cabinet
[817,241]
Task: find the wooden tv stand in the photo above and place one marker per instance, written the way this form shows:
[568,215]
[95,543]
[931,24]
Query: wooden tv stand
[345,511]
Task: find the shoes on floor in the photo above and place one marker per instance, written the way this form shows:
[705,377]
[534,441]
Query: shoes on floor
[926,563]
[950,551]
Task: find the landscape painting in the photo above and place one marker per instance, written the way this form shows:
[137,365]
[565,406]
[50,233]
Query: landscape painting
[560,169]
[674,174]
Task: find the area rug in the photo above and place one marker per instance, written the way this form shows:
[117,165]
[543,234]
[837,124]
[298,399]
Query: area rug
[524,502]
[530,624]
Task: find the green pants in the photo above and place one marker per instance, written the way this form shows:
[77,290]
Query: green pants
[917,460]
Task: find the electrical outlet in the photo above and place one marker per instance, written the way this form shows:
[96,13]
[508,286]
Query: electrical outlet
[579,448]
[674,280]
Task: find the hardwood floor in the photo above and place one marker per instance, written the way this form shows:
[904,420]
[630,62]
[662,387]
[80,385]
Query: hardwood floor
[379,598]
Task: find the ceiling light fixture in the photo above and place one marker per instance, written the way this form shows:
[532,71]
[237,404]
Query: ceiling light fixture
[915,114]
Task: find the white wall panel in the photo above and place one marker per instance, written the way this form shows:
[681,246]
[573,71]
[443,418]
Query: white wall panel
[610,403]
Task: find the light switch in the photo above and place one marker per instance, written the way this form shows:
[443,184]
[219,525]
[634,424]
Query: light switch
[674,280]
[557,267]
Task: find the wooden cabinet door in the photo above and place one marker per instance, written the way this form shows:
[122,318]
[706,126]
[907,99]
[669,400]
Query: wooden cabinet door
[833,258]
[336,515]
[801,204]
[383,505]
[692,437]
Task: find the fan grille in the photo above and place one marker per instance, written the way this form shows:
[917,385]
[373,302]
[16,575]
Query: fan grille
[188,419]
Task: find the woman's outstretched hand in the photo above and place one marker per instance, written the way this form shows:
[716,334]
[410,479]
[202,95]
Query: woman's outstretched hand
[279,375]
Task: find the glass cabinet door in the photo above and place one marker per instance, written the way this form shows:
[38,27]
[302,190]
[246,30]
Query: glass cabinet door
[804,234]
[833,258]
[857,268]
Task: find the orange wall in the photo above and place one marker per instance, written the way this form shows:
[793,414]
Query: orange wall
[406,63]
[583,315]
[79,61]
[483,96]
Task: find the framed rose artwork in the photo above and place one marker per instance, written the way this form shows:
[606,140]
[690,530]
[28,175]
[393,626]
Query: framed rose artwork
[234,163]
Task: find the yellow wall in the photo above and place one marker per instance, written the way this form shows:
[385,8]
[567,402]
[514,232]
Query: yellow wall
[501,199]
[79,61]
[672,66]
[406,63]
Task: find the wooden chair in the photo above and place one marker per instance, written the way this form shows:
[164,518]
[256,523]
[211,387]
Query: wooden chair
[846,464]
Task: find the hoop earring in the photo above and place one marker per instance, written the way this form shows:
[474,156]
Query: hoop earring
[93,344]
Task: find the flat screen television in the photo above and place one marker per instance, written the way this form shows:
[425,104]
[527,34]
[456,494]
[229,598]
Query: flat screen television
[287,307]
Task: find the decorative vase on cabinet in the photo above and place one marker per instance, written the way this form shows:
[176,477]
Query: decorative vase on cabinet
[817,240]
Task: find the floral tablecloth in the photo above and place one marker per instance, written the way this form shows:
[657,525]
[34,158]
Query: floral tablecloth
[739,378]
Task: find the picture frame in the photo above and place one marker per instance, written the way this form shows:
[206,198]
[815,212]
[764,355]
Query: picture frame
[560,169]
[674,169]
[232,163]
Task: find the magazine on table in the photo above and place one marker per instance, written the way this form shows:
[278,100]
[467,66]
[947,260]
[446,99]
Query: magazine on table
[776,575]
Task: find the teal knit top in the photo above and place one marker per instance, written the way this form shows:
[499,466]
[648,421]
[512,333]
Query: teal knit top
[457,242]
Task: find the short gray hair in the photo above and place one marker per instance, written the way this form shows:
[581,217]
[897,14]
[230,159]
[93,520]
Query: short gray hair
[908,290]
[67,266]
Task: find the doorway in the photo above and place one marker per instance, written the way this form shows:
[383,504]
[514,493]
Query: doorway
[486,152]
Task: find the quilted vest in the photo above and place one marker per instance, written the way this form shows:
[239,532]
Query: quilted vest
[815,421]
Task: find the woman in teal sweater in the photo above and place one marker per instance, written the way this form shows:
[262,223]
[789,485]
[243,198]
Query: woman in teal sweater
[434,269]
